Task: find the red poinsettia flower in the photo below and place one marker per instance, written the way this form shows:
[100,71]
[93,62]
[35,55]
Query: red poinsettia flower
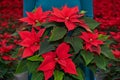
[91,42]
[69,16]
[6,36]
[61,57]
[34,17]
[30,40]
[116,53]
[4,48]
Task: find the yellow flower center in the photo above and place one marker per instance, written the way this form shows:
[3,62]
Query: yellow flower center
[91,39]
[35,43]
[56,59]
[67,18]
[36,21]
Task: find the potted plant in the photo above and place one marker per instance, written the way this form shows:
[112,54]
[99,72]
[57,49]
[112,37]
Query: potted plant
[56,43]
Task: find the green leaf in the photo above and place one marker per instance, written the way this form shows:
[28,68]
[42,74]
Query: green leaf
[46,47]
[78,59]
[82,12]
[57,33]
[58,75]
[87,56]
[3,69]
[15,34]
[76,43]
[22,67]
[49,24]
[35,58]
[14,53]
[77,31]
[2,61]
[101,62]
[34,9]
[68,77]
[37,76]
[38,24]
[105,50]
[92,67]
[91,23]
[108,42]
[103,37]
[80,75]
[32,66]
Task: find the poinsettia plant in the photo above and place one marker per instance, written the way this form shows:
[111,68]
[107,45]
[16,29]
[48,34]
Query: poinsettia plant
[8,40]
[109,20]
[8,56]
[8,43]
[56,42]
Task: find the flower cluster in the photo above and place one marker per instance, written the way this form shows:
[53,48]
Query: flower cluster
[108,14]
[10,11]
[7,26]
[6,45]
[57,40]
[116,45]
[8,57]
[61,57]
[8,22]
[31,45]
[91,42]
[109,19]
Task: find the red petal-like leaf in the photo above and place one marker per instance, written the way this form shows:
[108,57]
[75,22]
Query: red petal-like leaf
[27,20]
[62,51]
[70,25]
[57,13]
[27,53]
[49,61]
[116,53]
[26,42]
[70,68]
[41,31]
[85,26]
[24,34]
[95,49]
[48,74]
[34,48]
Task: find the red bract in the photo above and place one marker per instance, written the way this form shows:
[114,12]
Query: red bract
[61,57]
[4,48]
[9,14]
[5,36]
[69,16]
[4,24]
[100,32]
[34,17]
[107,13]
[116,53]
[116,46]
[30,40]
[116,36]
[11,10]
[91,42]
[8,58]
